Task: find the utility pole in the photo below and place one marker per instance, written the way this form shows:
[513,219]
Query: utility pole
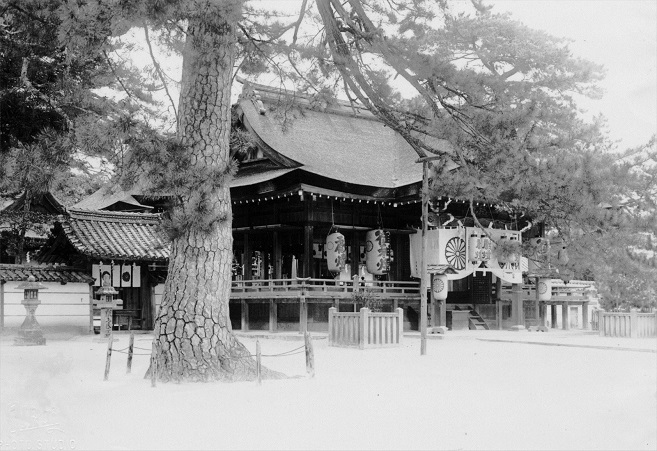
[423,254]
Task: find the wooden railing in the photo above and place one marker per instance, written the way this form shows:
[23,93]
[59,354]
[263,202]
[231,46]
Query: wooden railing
[321,288]
[366,328]
[627,324]
[573,291]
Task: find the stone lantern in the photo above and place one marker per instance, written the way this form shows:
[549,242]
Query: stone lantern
[106,304]
[30,332]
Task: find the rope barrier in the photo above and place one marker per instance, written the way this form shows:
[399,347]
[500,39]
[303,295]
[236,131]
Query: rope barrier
[129,350]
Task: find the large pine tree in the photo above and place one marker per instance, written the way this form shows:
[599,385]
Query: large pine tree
[502,94]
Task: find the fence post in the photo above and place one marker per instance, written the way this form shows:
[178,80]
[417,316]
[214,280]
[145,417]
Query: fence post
[400,325]
[364,332]
[131,348]
[634,323]
[601,323]
[331,324]
[109,356]
[154,364]
[310,355]
[258,367]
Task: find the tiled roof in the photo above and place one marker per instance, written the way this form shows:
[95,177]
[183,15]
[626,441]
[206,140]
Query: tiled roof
[17,273]
[42,203]
[107,196]
[129,236]
[339,142]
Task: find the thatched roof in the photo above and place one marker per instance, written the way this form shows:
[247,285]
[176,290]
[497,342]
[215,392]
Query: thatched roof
[338,141]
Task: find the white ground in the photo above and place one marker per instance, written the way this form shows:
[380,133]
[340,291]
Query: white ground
[466,393]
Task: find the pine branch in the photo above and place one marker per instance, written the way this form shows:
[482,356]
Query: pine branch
[158,70]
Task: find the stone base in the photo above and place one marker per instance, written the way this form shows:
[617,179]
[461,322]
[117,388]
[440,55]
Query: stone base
[29,338]
[517,328]
[538,329]
[437,330]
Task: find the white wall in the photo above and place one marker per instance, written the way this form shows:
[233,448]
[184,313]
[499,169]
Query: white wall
[61,305]
[158,291]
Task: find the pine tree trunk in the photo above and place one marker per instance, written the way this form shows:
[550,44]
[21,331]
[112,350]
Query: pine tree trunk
[194,337]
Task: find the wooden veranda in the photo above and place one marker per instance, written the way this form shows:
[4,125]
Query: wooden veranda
[321,294]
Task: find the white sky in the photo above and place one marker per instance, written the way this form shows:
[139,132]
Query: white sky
[621,35]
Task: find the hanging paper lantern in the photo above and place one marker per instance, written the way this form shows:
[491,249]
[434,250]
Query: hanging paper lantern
[474,247]
[485,248]
[479,248]
[336,252]
[562,256]
[439,287]
[544,288]
[503,257]
[378,253]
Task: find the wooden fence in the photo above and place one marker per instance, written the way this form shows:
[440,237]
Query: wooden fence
[626,324]
[366,328]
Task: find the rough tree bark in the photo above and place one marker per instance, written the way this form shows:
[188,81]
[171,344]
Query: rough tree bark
[194,338]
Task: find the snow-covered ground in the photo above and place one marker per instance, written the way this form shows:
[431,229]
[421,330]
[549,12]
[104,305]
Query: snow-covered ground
[473,390]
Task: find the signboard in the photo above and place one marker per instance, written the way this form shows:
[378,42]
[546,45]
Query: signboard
[452,247]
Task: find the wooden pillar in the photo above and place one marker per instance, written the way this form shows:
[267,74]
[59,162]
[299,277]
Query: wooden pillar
[537,305]
[355,252]
[363,338]
[565,316]
[2,305]
[634,323]
[278,256]
[307,263]
[423,259]
[433,306]
[91,308]
[553,314]
[245,316]
[499,313]
[247,257]
[303,315]
[585,315]
[273,316]
[356,281]
[151,323]
[395,305]
[542,314]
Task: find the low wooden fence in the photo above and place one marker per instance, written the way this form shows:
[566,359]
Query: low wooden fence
[626,324]
[366,328]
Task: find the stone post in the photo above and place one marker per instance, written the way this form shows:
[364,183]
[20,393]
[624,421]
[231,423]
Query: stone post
[106,304]
[517,308]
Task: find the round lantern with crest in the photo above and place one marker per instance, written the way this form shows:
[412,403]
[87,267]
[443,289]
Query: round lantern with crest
[439,282]
[544,288]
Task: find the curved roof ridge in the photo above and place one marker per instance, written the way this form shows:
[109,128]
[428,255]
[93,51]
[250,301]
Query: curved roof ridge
[114,216]
[263,93]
